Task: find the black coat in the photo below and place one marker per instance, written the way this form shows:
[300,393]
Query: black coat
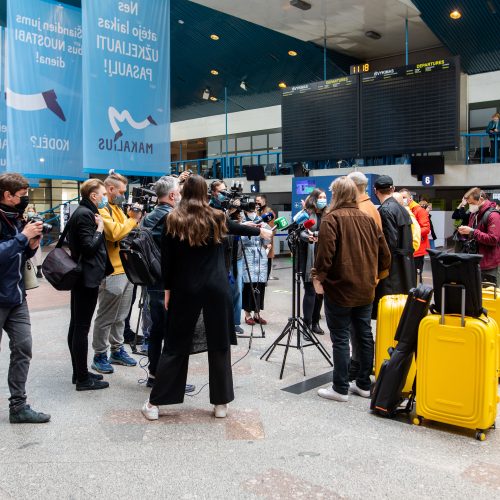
[396,226]
[85,242]
[200,297]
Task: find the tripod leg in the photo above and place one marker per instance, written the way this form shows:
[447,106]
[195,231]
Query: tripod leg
[315,341]
[271,348]
[286,350]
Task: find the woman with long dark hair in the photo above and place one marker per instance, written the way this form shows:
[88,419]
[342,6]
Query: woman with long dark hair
[198,300]
[314,205]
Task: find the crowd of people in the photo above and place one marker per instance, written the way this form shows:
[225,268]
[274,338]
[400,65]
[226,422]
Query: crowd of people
[216,257]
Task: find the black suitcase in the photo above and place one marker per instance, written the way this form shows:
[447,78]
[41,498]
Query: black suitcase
[387,393]
[457,269]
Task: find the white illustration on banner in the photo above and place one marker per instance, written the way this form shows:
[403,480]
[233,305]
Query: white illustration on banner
[115,116]
[34,102]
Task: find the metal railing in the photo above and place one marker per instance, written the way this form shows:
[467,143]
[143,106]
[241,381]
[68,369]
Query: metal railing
[478,153]
[54,218]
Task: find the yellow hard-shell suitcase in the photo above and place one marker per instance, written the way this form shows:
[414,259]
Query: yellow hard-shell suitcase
[390,310]
[456,370]
[491,302]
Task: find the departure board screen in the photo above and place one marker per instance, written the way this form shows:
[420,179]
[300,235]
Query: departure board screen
[320,120]
[413,109]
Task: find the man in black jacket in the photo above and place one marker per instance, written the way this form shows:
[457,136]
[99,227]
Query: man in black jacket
[18,242]
[396,226]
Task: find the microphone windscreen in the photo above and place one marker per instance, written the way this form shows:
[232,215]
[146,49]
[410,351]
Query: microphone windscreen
[281,223]
[308,224]
[267,217]
[301,217]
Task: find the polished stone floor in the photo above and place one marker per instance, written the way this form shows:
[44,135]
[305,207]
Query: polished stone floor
[275,444]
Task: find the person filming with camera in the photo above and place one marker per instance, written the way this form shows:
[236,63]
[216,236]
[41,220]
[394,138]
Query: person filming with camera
[18,242]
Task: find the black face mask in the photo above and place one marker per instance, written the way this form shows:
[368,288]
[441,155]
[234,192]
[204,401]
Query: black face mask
[23,203]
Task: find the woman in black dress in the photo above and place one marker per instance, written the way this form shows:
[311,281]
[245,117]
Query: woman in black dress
[198,300]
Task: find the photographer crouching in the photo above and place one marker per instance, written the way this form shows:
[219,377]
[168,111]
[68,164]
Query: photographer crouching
[18,242]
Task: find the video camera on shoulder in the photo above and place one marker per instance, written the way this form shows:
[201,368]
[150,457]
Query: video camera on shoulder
[143,199]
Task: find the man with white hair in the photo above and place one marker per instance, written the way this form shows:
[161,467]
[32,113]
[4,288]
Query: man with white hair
[365,204]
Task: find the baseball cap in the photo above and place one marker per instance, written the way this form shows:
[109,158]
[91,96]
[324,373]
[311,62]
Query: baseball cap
[384,182]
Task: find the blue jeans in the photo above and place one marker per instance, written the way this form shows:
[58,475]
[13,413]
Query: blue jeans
[339,320]
[236,289]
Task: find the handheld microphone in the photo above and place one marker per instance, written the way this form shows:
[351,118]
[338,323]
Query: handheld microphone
[280,223]
[308,224]
[300,217]
[267,217]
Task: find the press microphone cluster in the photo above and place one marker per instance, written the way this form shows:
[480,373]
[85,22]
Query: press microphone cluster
[267,217]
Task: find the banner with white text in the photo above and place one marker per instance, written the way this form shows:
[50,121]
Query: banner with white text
[126,86]
[3,109]
[43,89]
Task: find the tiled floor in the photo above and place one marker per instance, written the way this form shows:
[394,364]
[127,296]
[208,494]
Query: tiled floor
[273,445]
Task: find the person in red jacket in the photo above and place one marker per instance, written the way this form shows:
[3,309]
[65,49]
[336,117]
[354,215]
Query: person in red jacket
[484,228]
[423,220]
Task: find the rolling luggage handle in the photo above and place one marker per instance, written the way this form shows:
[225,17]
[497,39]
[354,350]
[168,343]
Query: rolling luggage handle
[462,314]
[494,285]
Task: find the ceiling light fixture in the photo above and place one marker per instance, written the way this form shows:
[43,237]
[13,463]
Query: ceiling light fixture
[206,94]
[214,72]
[455,14]
[213,36]
[374,35]
[243,85]
[292,53]
[213,98]
[300,4]
[282,85]
[180,21]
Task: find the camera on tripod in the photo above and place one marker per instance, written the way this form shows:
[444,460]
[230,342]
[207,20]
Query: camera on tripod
[236,199]
[47,228]
[144,199]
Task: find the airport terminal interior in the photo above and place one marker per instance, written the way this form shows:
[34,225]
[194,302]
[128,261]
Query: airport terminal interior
[279,100]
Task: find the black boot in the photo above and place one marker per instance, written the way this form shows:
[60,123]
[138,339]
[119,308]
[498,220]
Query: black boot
[317,329]
[95,376]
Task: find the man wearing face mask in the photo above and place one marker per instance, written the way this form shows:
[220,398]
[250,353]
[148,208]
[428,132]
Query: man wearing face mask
[167,190]
[115,292]
[18,242]
[484,228]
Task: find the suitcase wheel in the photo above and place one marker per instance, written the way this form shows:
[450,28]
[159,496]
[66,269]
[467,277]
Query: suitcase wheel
[480,435]
[494,426]
[417,420]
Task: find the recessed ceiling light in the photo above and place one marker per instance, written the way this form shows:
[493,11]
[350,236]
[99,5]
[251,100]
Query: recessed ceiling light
[455,14]
[214,72]
[282,85]
[180,21]
[213,98]
[213,36]
[292,53]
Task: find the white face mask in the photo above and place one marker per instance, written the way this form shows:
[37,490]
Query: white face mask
[473,208]
[405,202]
[252,215]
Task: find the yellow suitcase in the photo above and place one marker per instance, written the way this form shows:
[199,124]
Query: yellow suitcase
[491,302]
[390,309]
[457,370]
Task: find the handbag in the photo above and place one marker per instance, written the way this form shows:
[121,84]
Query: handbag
[59,269]
[29,276]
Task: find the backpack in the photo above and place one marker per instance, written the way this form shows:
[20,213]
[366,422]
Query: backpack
[141,257]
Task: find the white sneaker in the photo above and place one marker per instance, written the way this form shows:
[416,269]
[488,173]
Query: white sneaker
[329,393]
[220,411]
[353,387]
[150,411]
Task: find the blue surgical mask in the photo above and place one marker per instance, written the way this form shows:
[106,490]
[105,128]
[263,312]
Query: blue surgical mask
[103,202]
[118,200]
[221,197]
[321,204]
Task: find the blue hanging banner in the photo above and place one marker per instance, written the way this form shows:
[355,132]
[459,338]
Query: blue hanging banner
[126,86]
[3,109]
[43,89]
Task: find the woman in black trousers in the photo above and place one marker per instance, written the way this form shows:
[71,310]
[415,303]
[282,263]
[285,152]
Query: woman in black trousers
[88,246]
[198,299]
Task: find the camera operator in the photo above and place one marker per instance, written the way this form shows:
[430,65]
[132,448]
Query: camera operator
[115,292]
[234,254]
[18,242]
[167,189]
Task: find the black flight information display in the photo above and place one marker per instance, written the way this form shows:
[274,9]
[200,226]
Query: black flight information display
[412,109]
[320,120]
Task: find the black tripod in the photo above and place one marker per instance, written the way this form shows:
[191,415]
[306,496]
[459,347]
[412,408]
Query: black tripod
[304,335]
